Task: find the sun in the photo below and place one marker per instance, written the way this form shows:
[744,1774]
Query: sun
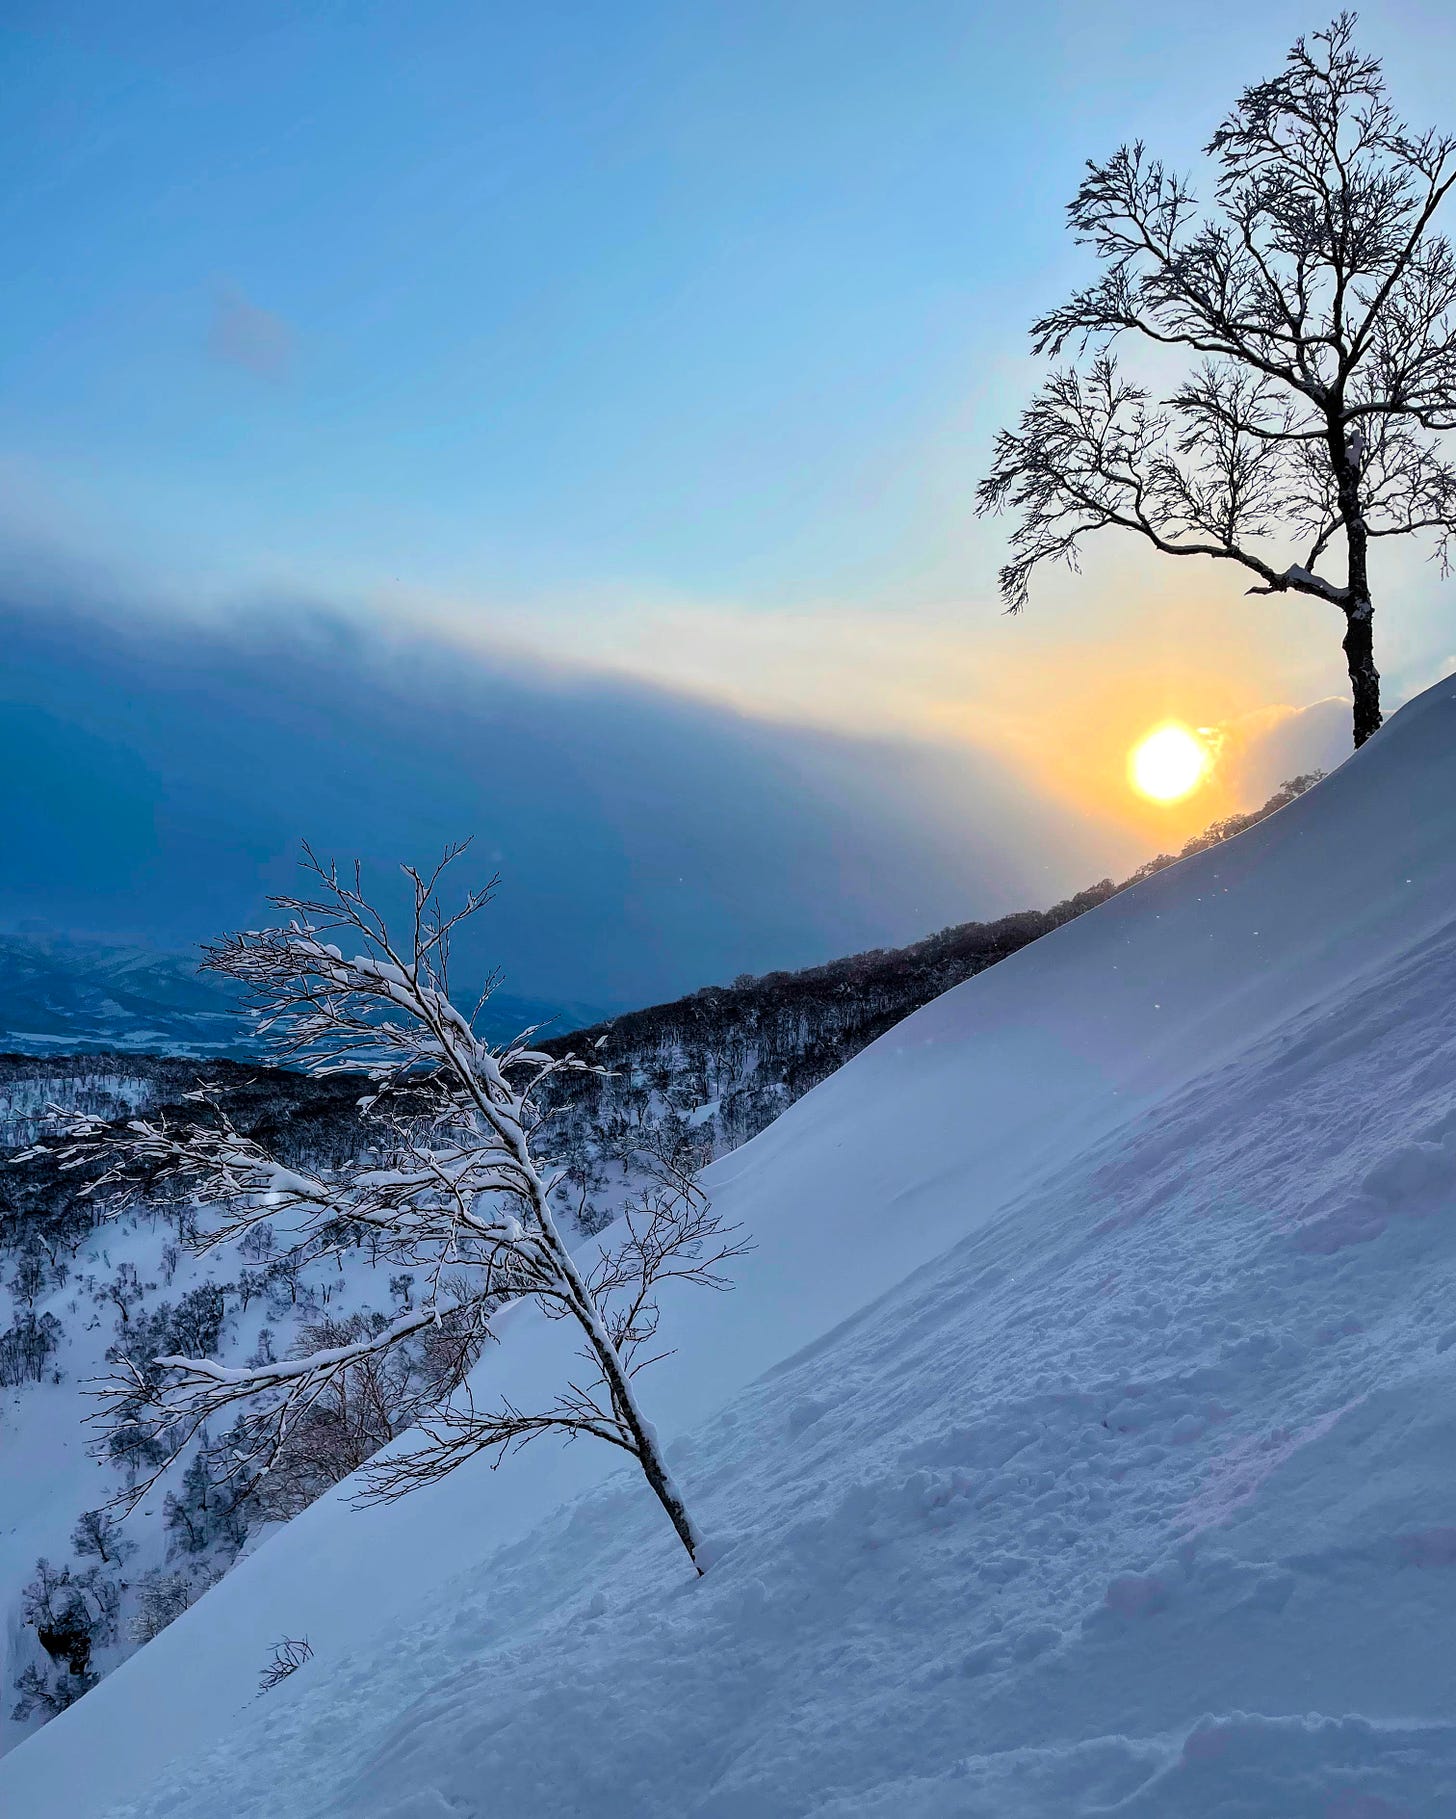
[1168,763]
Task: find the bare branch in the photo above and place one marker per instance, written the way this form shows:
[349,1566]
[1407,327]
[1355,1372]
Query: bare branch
[1322,305]
[1091,453]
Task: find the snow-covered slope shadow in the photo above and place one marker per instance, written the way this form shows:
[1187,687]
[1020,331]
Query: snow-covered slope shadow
[1078,1440]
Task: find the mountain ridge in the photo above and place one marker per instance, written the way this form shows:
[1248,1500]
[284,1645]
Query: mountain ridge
[60,995]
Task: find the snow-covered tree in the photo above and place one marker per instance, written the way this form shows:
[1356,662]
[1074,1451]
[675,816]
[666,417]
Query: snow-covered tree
[456,1190]
[161,1598]
[97,1532]
[72,1614]
[1323,306]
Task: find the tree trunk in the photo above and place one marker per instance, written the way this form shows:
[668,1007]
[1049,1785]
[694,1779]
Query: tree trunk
[644,1435]
[1346,458]
[619,1388]
[654,1469]
[1359,646]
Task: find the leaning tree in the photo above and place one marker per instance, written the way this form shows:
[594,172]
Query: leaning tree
[1323,307]
[457,1189]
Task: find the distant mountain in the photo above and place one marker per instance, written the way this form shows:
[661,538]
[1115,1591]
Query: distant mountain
[59,996]
[62,995]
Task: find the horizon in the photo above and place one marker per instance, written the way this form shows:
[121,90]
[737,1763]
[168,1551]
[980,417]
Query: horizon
[640,370]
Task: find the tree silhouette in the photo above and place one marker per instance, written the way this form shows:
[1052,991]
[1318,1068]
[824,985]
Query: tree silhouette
[1321,304]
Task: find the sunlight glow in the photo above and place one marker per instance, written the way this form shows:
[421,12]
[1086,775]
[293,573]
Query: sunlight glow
[1168,763]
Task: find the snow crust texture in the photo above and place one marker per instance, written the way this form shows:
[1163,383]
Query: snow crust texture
[1081,1439]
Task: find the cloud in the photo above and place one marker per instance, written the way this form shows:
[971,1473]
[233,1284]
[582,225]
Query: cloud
[1264,749]
[244,335]
[655,832]
[1058,696]
[649,842]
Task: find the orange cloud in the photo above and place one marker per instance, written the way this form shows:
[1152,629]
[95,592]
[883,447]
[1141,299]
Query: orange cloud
[1058,695]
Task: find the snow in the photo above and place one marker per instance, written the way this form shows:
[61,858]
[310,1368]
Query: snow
[50,1475]
[1078,1440]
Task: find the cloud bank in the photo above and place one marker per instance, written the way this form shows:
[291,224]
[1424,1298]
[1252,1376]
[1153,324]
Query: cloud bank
[161,775]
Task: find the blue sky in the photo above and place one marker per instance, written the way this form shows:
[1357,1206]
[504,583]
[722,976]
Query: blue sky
[663,340]
[704,299]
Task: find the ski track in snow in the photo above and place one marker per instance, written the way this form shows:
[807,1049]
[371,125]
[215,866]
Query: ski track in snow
[1080,1519]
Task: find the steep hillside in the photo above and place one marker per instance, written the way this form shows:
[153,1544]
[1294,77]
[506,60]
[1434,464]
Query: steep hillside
[79,1595]
[703,1075]
[79,1293]
[1078,1439]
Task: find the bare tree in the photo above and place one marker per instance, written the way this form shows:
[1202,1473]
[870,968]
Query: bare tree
[1321,302]
[368,1404]
[289,1655]
[456,1191]
[98,1533]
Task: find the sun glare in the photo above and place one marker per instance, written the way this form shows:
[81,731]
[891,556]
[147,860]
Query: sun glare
[1169,763]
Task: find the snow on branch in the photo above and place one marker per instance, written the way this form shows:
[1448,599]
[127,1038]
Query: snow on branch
[456,1187]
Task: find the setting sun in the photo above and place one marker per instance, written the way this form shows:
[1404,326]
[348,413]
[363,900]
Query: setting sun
[1169,763]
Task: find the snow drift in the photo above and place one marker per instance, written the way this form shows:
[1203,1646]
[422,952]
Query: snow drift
[1078,1440]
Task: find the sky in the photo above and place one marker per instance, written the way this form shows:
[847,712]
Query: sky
[162,775]
[644,356]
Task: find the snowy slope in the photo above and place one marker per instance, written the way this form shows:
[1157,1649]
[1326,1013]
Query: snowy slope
[1078,1440]
[49,1475]
[75,1295]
